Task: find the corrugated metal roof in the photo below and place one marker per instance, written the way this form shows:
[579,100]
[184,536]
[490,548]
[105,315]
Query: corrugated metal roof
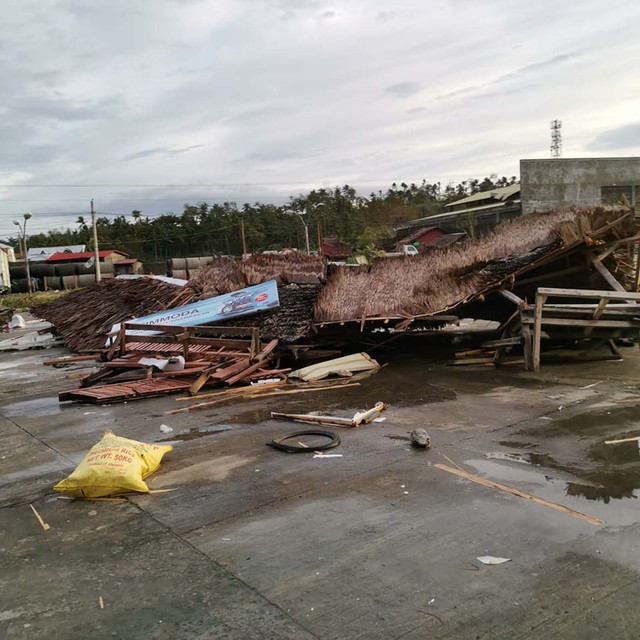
[36,254]
[84,255]
[501,193]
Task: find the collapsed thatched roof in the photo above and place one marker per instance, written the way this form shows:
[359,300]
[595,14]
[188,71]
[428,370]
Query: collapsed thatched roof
[289,322]
[84,317]
[224,275]
[445,278]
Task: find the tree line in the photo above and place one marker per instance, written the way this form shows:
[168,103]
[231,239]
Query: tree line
[217,229]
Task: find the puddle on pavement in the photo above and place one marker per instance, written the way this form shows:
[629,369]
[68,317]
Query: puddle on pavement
[195,433]
[575,445]
[530,458]
[46,406]
[253,416]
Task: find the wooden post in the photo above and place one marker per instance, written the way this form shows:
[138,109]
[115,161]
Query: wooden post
[596,315]
[537,329]
[527,348]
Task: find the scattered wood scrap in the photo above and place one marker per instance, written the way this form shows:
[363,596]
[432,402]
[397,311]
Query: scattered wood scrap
[43,524]
[522,494]
[152,360]
[364,417]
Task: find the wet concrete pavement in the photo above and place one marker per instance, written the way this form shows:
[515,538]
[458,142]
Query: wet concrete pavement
[378,544]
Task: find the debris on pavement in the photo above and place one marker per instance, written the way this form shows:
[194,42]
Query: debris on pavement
[282,444]
[345,366]
[492,560]
[113,466]
[253,392]
[522,494]
[31,340]
[43,524]
[621,440]
[420,439]
[360,417]
[165,428]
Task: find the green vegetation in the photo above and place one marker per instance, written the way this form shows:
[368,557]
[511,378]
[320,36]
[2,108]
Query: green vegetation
[22,301]
[205,229]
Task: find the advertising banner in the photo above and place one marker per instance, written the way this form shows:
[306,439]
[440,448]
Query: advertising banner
[243,302]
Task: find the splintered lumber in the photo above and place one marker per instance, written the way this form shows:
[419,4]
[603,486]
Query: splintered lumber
[521,494]
[253,389]
[254,396]
[305,417]
[634,439]
[365,417]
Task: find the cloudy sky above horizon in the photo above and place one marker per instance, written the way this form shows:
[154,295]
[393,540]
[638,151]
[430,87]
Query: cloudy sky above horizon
[153,104]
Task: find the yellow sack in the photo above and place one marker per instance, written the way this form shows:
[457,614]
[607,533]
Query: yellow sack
[113,465]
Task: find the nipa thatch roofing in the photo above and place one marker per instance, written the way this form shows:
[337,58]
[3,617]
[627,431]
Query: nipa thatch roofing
[444,278]
[224,275]
[84,317]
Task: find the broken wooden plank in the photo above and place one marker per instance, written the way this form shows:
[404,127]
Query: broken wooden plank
[255,396]
[521,494]
[621,440]
[588,293]
[303,417]
[43,524]
[512,297]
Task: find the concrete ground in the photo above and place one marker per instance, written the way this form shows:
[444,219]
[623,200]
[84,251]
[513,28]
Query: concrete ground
[378,544]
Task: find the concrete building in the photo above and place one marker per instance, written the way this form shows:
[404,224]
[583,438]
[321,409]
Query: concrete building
[7,256]
[480,211]
[556,182]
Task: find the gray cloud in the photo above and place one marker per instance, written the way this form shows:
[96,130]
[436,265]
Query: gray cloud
[159,151]
[516,75]
[624,137]
[403,89]
[267,92]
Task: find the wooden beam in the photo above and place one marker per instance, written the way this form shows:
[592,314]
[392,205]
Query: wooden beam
[588,293]
[608,276]
[596,315]
[512,297]
[579,322]
[537,328]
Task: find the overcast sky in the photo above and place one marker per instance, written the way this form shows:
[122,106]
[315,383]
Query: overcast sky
[133,103]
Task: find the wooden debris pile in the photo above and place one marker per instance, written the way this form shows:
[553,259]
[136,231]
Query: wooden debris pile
[152,360]
[84,317]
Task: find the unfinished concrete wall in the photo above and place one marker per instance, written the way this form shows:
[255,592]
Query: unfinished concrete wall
[556,182]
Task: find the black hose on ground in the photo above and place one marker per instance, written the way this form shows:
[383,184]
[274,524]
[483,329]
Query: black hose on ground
[281,445]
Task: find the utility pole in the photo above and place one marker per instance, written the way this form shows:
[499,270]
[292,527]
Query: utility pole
[24,248]
[319,238]
[244,240]
[306,233]
[95,242]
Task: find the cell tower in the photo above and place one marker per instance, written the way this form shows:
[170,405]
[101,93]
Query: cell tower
[556,138]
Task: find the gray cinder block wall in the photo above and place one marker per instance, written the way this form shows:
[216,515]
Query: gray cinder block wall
[555,182]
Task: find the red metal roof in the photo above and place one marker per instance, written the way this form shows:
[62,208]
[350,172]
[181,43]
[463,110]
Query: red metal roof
[84,255]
